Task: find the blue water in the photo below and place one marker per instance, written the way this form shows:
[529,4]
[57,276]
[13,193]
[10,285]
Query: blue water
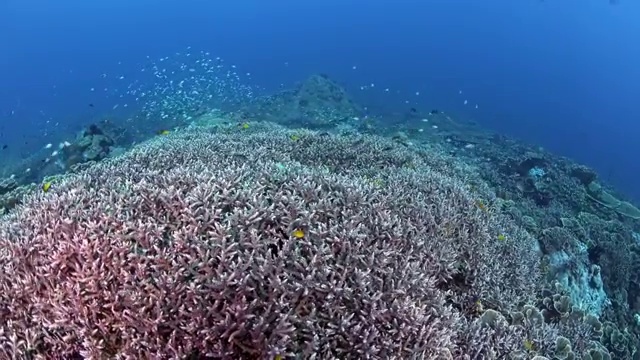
[561,74]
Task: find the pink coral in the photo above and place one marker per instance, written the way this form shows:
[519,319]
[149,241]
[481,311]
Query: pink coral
[183,247]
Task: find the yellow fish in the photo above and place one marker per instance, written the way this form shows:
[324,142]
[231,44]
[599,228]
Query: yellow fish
[164,132]
[528,345]
[298,233]
[46,186]
[502,237]
[245,125]
[479,307]
[294,137]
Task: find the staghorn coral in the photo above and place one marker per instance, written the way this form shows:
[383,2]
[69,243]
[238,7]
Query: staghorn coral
[183,247]
[7,185]
[11,199]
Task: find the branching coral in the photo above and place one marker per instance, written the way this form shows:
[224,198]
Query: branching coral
[184,247]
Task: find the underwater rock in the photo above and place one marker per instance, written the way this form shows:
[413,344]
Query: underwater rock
[531,162]
[584,174]
[91,144]
[318,103]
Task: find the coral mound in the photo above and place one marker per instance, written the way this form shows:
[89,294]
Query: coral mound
[256,245]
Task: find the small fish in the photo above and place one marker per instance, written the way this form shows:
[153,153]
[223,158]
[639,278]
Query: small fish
[46,186]
[298,233]
[477,306]
[481,205]
[164,132]
[529,345]
[90,105]
[294,137]
[244,125]
[502,237]
[278,357]
[5,146]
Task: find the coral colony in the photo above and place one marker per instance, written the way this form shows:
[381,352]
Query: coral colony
[297,227]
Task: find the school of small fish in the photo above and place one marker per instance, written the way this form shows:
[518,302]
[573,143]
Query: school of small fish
[181,85]
[177,86]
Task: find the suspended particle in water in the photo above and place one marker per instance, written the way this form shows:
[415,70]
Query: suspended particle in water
[354,67]
[465,102]
[417,93]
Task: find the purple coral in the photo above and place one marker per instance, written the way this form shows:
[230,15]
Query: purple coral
[183,247]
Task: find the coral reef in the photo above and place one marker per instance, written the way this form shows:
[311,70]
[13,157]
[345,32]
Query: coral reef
[182,248]
[296,227]
[91,144]
[318,103]
[624,208]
